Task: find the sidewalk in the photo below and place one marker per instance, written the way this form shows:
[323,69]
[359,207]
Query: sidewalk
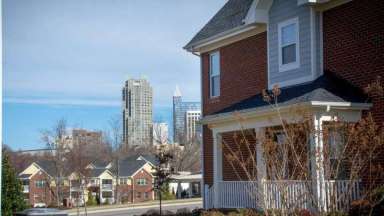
[141,204]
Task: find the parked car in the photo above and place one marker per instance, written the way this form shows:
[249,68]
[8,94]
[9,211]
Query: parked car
[39,205]
[42,212]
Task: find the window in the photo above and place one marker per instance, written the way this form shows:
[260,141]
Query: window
[138,195]
[106,181]
[337,167]
[288,34]
[40,183]
[106,194]
[123,181]
[146,195]
[142,181]
[214,70]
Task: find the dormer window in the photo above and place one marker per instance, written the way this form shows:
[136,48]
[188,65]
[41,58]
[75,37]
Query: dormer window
[214,74]
[288,33]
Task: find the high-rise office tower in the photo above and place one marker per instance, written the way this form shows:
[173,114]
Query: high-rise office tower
[192,129]
[137,112]
[179,110]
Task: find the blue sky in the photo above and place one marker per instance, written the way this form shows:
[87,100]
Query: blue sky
[69,58]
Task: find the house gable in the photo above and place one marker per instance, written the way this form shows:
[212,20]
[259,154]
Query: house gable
[31,170]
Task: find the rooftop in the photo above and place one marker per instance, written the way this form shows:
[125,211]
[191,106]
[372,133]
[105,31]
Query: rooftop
[230,16]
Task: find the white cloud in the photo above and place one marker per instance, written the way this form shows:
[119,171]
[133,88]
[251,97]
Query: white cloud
[48,101]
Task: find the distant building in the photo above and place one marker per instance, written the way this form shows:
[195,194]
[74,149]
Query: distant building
[160,133]
[179,110]
[83,137]
[137,112]
[192,129]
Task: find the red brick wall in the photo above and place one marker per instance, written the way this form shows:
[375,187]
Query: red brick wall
[354,44]
[143,189]
[234,142]
[243,72]
[125,193]
[208,155]
[354,48]
[39,195]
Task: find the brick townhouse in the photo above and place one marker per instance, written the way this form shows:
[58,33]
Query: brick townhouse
[321,53]
[134,182]
[39,184]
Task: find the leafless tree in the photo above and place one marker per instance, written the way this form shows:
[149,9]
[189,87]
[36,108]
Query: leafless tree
[54,140]
[350,155]
[187,156]
[117,148]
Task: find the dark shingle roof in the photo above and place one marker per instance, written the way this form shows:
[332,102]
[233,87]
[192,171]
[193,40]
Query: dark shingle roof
[128,167]
[231,15]
[151,159]
[147,157]
[100,164]
[48,166]
[327,88]
[95,172]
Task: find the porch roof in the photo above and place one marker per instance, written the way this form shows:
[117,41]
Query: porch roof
[25,176]
[327,89]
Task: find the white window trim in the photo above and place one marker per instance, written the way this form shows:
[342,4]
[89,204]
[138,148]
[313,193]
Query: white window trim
[292,65]
[210,74]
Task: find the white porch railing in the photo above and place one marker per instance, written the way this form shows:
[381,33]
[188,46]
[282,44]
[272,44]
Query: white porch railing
[106,186]
[339,194]
[229,196]
[208,197]
[288,194]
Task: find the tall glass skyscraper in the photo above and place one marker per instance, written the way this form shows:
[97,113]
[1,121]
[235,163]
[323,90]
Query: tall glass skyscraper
[180,109]
[137,112]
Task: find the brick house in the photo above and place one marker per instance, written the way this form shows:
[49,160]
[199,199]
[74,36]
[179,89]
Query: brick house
[134,183]
[320,53]
[39,185]
[135,180]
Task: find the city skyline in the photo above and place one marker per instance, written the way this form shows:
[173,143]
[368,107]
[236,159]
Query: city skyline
[86,49]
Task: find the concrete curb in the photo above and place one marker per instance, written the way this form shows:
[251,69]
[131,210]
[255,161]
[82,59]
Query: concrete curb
[110,208]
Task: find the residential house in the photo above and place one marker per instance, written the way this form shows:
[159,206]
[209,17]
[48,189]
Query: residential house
[133,181]
[185,185]
[100,182]
[321,53]
[39,184]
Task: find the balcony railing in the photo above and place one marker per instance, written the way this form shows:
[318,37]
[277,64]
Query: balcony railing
[25,188]
[288,194]
[106,187]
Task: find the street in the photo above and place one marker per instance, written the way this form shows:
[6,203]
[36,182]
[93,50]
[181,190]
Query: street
[138,210]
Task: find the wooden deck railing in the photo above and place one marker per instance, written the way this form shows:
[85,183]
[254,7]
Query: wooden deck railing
[288,194]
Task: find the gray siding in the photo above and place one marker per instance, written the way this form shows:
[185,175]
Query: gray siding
[319,47]
[282,10]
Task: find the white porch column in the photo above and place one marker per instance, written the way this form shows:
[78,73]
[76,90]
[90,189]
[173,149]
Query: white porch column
[317,161]
[190,190]
[100,192]
[217,166]
[260,162]
[179,189]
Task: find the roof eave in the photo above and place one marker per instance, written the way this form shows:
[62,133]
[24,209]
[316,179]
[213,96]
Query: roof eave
[219,37]
[266,110]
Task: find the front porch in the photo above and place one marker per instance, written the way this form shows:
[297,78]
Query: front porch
[262,188]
